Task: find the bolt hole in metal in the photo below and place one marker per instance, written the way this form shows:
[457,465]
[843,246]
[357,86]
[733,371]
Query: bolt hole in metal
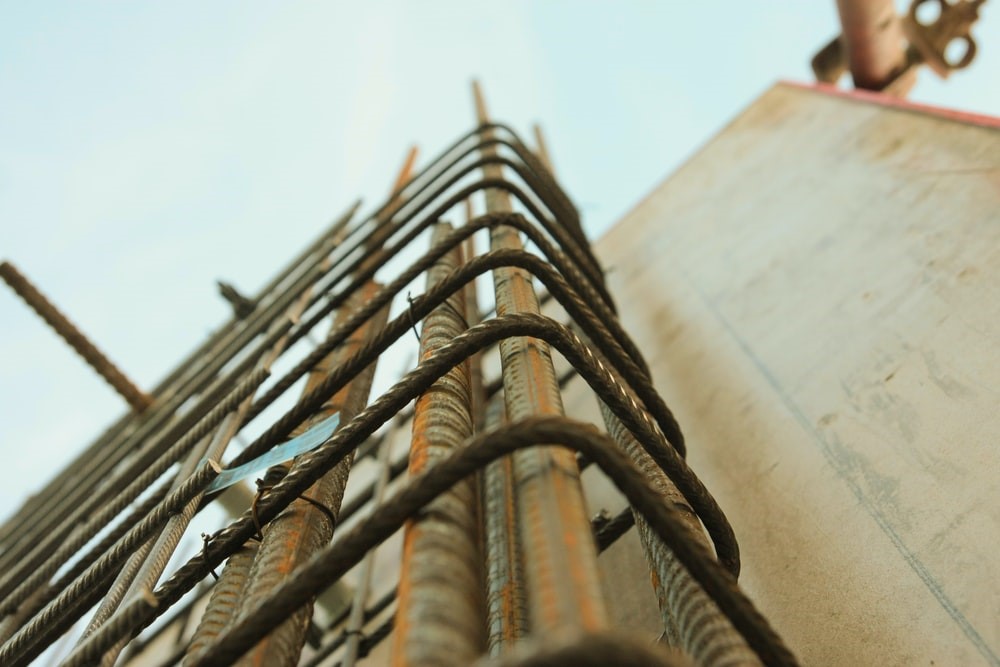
[959,52]
[928,12]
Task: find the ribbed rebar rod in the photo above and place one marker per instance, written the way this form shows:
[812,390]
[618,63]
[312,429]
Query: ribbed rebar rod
[47,558]
[590,369]
[670,461]
[506,598]
[119,587]
[148,446]
[605,534]
[95,469]
[691,620]
[333,561]
[302,528]
[307,524]
[74,337]
[356,617]
[223,603]
[22,647]
[411,191]
[593,650]
[559,554]
[440,618]
[88,653]
[721,533]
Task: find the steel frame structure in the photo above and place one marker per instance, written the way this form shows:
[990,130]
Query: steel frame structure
[499,558]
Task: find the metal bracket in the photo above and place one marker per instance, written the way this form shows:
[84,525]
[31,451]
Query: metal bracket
[931,40]
[928,43]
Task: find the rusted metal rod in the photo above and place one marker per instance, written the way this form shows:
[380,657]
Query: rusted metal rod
[440,616]
[74,337]
[303,528]
[559,554]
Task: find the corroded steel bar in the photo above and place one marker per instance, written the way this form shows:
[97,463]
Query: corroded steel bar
[302,528]
[223,602]
[341,555]
[559,553]
[440,616]
[66,607]
[506,603]
[356,618]
[94,470]
[88,653]
[119,587]
[109,473]
[542,148]
[144,569]
[691,620]
[74,337]
[404,173]
[51,553]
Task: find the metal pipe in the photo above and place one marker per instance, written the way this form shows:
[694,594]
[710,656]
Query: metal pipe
[872,37]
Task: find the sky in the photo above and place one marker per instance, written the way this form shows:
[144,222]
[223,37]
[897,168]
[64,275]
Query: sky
[149,149]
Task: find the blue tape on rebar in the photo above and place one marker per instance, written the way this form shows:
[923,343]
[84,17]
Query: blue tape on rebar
[308,441]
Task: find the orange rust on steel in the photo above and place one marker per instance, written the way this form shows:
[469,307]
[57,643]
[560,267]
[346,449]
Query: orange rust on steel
[873,42]
[45,309]
[559,552]
[224,601]
[383,219]
[302,529]
[542,150]
[404,173]
[439,619]
[692,621]
[506,608]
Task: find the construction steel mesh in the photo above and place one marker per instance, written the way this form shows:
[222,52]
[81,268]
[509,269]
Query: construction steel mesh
[498,560]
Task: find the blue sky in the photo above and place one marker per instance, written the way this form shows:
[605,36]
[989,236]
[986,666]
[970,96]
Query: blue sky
[147,149]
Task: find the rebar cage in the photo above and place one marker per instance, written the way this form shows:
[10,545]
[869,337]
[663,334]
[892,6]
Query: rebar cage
[498,558]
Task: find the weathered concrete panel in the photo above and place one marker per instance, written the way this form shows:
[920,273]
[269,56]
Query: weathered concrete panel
[818,292]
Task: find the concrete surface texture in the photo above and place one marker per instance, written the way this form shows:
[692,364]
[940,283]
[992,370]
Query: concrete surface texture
[818,293]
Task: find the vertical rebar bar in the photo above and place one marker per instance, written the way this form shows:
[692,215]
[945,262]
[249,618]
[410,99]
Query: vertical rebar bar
[356,618]
[439,620]
[691,620]
[559,552]
[302,528]
[224,601]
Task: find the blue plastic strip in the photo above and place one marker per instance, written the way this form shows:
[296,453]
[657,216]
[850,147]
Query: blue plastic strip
[308,441]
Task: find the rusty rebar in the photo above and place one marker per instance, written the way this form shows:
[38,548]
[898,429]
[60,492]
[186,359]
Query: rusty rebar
[537,506]
[528,433]
[559,554]
[440,616]
[303,528]
[74,337]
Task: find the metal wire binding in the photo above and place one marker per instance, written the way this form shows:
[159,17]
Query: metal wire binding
[334,272]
